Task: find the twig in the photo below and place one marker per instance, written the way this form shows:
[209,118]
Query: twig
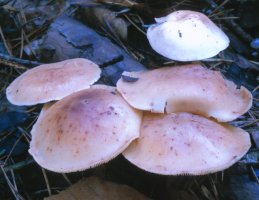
[19,60]
[26,38]
[4,41]
[67,179]
[22,44]
[256,88]
[183,2]
[23,17]
[253,117]
[14,182]
[214,188]
[125,3]
[212,3]
[133,23]
[12,188]
[249,124]
[194,194]
[46,181]
[222,176]
[18,165]
[228,18]
[219,13]
[233,25]
[251,169]
[220,6]
[34,32]
[217,60]
[13,147]
[43,28]
[239,30]
[25,133]
[12,64]
[254,62]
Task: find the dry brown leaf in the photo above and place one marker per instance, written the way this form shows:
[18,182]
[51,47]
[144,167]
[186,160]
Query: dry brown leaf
[94,188]
[102,17]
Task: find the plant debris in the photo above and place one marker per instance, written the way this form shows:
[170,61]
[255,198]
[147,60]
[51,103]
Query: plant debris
[94,188]
[112,33]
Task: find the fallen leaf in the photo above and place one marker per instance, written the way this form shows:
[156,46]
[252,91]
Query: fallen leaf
[94,188]
[102,17]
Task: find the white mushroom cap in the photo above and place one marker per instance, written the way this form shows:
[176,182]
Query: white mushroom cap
[85,129]
[186,36]
[54,81]
[189,88]
[183,143]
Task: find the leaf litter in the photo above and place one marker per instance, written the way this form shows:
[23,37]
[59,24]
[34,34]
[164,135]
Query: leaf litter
[32,35]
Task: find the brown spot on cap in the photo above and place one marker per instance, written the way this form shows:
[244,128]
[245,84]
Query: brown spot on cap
[52,81]
[176,89]
[196,152]
[80,146]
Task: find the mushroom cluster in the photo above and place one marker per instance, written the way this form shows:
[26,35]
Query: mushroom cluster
[176,134]
[88,126]
[189,137]
[170,120]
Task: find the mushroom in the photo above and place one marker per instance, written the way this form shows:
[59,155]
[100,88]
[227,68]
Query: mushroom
[52,81]
[84,129]
[186,35]
[189,88]
[183,143]
[44,109]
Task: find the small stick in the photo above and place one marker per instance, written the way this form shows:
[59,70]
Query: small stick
[12,188]
[257,87]
[46,181]
[25,134]
[18,165]
[14,182]
[250,123]
[22,44]
[220,6]
[5,44]
[222,176]
[253,174]
[18,60]
[12,64]
[233,25]
[66,178]
[26,38]
[214,188]
[239,30]
[133,23]
[13,147]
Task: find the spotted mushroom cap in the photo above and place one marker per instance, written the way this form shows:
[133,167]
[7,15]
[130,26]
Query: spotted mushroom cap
[54,81]
[186,36]
[183,143]
[85,129]
[189,88]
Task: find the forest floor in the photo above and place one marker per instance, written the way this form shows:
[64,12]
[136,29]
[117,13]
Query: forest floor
[36,32]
